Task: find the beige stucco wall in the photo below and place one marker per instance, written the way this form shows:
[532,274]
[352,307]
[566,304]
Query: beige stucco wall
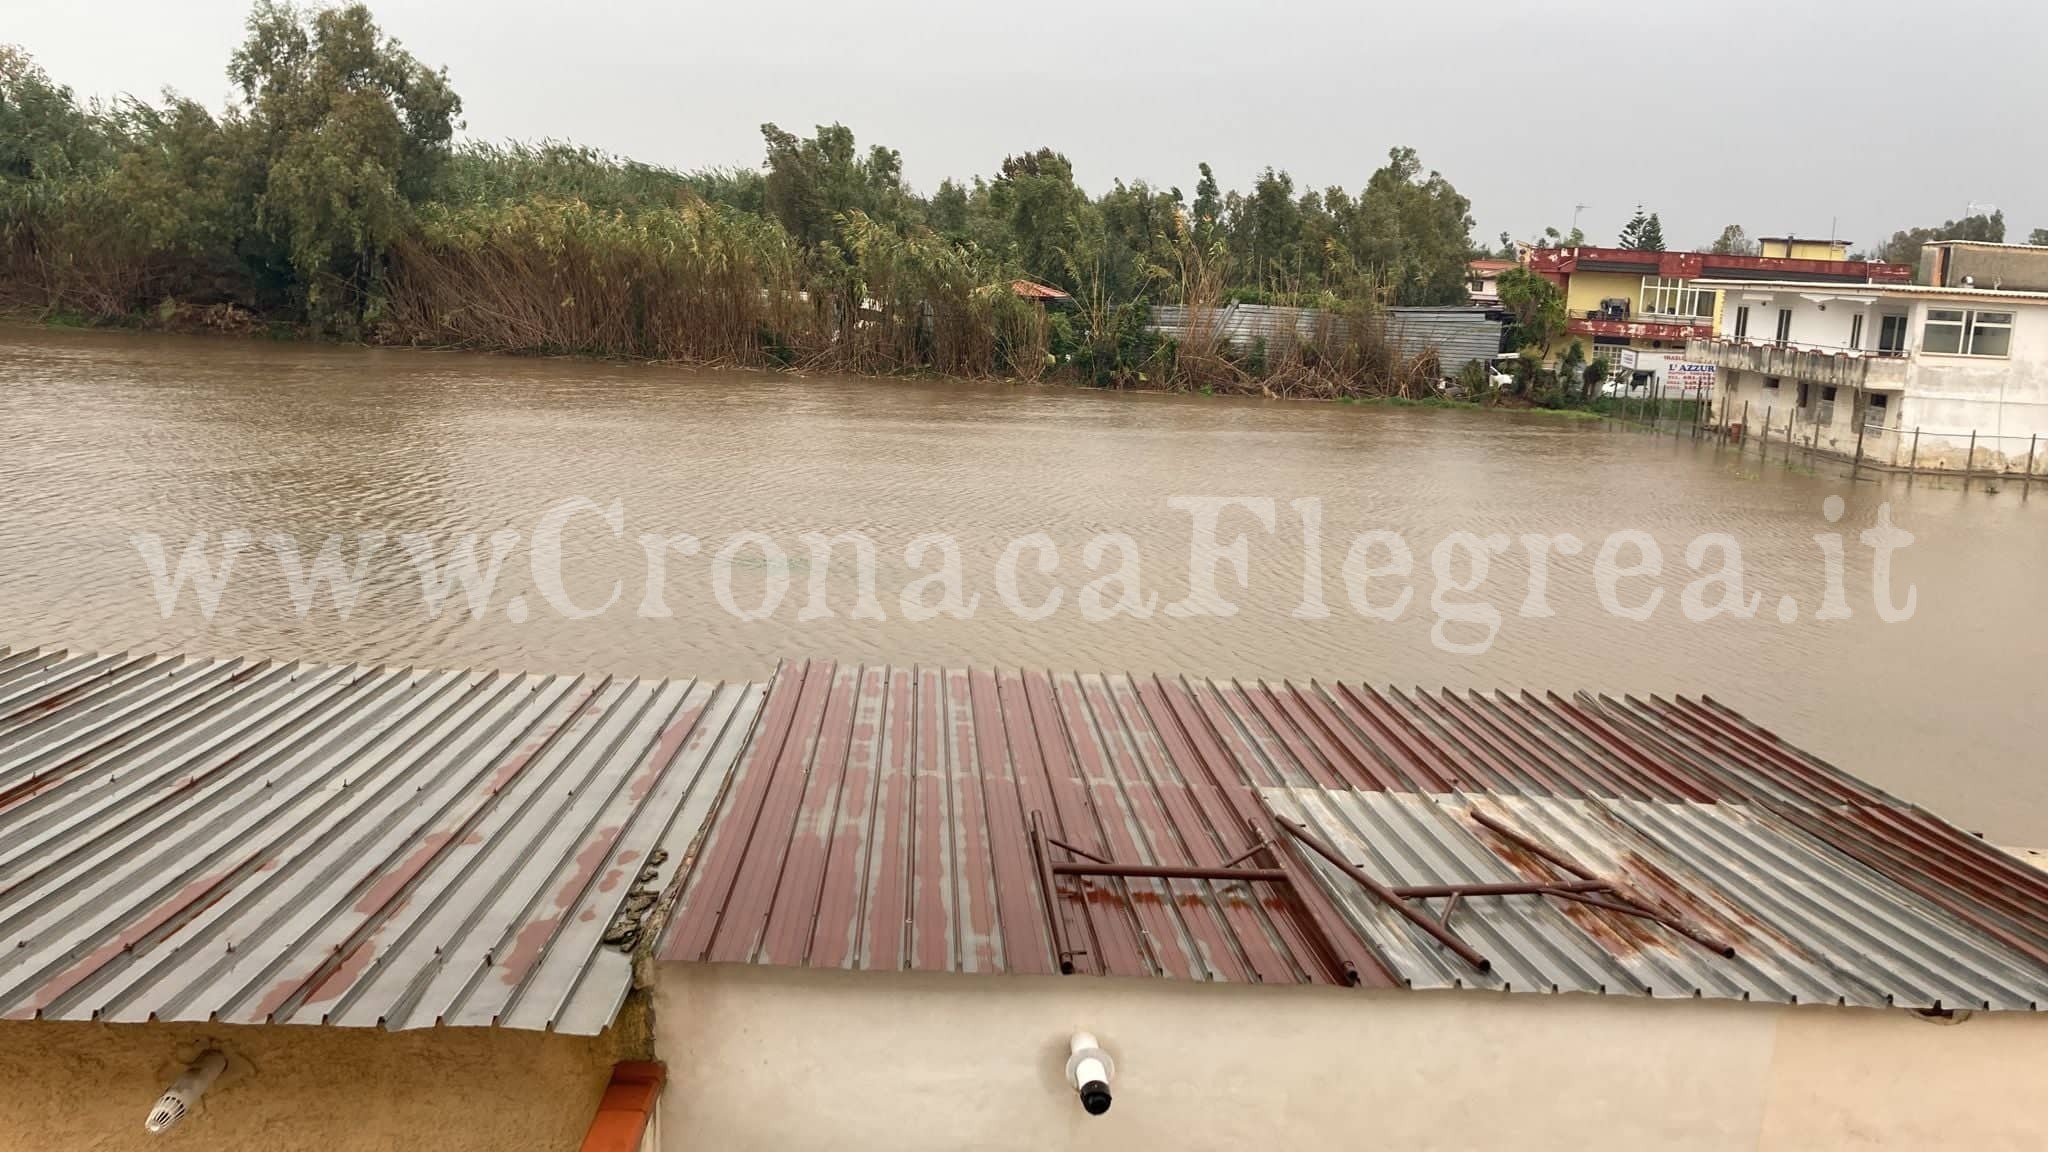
[790,1059]
[287,1088]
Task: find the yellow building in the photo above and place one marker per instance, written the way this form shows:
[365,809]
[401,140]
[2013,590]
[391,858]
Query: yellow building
[1651,302]
[1793,248]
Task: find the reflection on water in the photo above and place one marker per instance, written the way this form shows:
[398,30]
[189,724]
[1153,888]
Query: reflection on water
[106,435]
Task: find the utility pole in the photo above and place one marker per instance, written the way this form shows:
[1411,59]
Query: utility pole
[1576,209]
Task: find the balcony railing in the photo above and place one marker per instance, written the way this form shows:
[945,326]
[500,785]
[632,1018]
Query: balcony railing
[1640,326]
[1633,316]
[1839,367]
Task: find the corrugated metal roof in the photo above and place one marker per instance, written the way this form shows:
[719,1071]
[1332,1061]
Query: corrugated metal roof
[1458,335]
[1244,325]
[879,820]
[248,841]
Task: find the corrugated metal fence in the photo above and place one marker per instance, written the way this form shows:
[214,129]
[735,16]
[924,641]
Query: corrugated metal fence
[1456,334]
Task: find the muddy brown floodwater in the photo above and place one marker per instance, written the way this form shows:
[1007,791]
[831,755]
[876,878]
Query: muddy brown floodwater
[105,436]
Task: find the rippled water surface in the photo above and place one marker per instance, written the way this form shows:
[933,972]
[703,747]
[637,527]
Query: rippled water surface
[105,436]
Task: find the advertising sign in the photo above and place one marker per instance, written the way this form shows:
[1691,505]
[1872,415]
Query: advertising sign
[1683,375]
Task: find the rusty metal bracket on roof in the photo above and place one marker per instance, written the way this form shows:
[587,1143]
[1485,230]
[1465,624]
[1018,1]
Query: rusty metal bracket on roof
[1585,889]
[1091,864]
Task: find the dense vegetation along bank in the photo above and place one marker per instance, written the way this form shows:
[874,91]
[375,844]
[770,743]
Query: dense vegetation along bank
[332,198]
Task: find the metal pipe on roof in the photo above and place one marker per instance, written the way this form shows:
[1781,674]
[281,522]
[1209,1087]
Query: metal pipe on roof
[1388,896]
[1533,888]
[1171,872]
[1050,884]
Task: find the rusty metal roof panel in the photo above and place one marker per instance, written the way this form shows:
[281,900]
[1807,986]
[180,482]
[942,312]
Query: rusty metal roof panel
[1805,925]
[261,842]
[877,822]
[251,841]
[881,821]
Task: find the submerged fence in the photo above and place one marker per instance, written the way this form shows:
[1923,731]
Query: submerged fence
[1897,446]
[1971,454]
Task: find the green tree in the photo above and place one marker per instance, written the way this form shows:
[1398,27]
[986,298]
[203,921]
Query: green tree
[350,131]
[1733,241]
[1139,232]
[1904,246]
[1208,206]
[1265,232]
[812,184]
[2038,237]
[947,212]
[1413,231]
[1643,233]
[1537,308]
[44,135]
[1037,196]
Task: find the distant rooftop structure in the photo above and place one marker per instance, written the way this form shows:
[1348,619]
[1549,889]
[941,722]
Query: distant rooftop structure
[1803,265]
[1835,290]
[1799,247]
[1033,290]
[1980,264]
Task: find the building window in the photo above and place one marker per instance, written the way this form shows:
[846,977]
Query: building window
[1784,325]
[1856,332]
[1959,332]
[1805,395]
[1877,410]
[1770,383]
[1891,333]
[1671,296]
[1990,334]
[1825,414]
[1742,322]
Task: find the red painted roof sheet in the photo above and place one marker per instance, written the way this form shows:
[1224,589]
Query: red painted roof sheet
[1033,290]
[879,819]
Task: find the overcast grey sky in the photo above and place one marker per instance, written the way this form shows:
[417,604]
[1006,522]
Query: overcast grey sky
[1781,116]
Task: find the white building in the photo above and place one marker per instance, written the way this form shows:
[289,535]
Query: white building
[1915,373]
